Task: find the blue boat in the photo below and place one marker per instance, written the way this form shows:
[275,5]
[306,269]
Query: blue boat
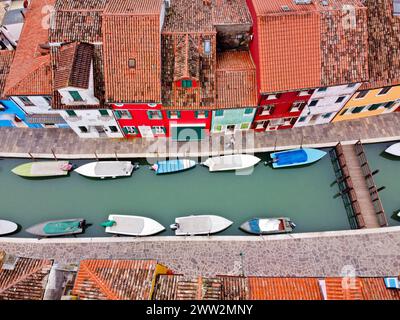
[170,166]
[296,157]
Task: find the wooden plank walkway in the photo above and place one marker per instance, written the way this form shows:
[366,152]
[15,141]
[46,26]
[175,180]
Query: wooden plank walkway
[360,187]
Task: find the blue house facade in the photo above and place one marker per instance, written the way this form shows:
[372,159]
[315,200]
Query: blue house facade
[11,115]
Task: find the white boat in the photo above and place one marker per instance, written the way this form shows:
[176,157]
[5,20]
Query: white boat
[394,150]
[268,225]
[7,227]
[200,224]
[231,162]
[106,169]
[132,225]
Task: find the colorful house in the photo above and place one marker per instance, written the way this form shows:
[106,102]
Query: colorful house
[302,49]
[381,94]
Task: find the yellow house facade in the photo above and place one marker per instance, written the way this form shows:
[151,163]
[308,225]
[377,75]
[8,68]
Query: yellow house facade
[370,102]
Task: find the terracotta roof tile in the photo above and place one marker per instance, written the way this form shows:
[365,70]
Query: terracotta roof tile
[284,289]
[226,12]
[375,289]
[26,281]
[6,58]
[131,32]
[236,80]
[115,279]
[234,288]
[344,289]
[167,287]
[30,72]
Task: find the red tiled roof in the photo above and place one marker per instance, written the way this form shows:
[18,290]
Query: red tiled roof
[284,289]
[26,281]
[30,72]
[234,288]
[375,289]
[343,289]
[308,46]
[131,30]
[6,58]
[115,279]
[166,287]
[236,80]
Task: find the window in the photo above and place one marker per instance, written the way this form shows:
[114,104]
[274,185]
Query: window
[384,91]
[351,85]
[267,110]
[374,107]
[219,113]
[173,114]
[154,114]
[113,129]
[48,99]
[287,121]
[130,130]
[273,96]
[302,119]
[158,129]
[340,99]
[357,110]
[83,129]
[104,113]
[122,114]
[248,111]
[75,96]
[218,128]
[362,94]
[201,114]
[323,89]
[207,47]
[260,125]
[71,113]
[327,115]
[26,101]
[304,93]
[313,103]
[297,106]
[388,105]
[132,63]
[244,126]
[187,83]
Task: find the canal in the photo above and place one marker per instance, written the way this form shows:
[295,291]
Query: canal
[305,194]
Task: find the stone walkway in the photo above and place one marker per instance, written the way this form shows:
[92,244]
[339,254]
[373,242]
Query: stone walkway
[16,142]
[374,252]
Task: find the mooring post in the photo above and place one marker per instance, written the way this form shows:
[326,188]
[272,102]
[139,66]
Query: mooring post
[54,154]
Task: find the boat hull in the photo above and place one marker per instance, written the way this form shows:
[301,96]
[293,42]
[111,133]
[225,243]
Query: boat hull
[7,227]
[38,229]
[42,169]
[394,150]
[106,169]
[267,226]
[231,162]
[172,166]
[201,225]
[296,157]
[134,225]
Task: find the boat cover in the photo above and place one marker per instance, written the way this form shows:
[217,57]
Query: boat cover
[264,225]
[49,168]
[62,227]
[193,225]
[291,157]
[112,168]
[173,165]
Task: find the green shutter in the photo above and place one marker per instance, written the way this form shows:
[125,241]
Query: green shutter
[219,113]
[71,113]
[169,114]
[103,112]
[179,114]
[196,114]
[206,114]
[357,110]
[125,130]
[149,114]
[118,114]
[75,95]
[248,111]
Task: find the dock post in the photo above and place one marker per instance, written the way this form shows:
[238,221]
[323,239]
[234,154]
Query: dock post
[54,154]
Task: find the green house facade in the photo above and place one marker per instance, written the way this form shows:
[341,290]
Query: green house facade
[230,120]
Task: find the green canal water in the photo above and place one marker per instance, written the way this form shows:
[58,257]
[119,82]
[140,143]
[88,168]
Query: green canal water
[388,176]
[304,194]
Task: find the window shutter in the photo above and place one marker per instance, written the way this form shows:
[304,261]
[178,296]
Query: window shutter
[196,114]
[169,114]
[149,114]
[206,114]
[179,114]
[125,130]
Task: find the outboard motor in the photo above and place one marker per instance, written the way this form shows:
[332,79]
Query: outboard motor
[292,224]
[174,226]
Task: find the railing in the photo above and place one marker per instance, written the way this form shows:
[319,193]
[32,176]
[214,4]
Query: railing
[346,188]
[372,188]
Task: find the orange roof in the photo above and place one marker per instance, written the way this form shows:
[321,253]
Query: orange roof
[375,289]
[6,58]
[308,46]
[30,72]
[131,30]
[344,289]
[236,80]
[115,279]
[284,289]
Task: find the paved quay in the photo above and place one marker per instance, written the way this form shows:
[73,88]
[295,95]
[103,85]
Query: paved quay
[369,252]
[17,142]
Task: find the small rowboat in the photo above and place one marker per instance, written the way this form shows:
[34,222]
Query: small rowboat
[170,166]
[132,225]
[394,150]
[231,162]
[296,157]
[42,169]
[268,226]
[200,224]
[7,227]
[106,169]
[55,228]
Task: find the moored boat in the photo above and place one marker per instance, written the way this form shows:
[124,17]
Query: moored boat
[200,224]
[231,162]
[106,169]
[264,226]
[170,166]
[55,228]
[296,157]
[394,150]
[132,225]
[7,227]
[40,169]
